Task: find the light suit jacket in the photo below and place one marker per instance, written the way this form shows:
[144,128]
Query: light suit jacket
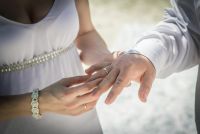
[174,44]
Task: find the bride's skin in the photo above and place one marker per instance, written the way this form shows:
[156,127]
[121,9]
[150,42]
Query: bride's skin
[60,97]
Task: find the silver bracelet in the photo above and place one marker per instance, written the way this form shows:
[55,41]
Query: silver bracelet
[35,104]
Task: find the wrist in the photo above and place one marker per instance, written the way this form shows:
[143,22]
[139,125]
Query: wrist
[43,102]
[112,56]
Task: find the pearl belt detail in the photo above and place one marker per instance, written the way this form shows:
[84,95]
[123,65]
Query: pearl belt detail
[34,61]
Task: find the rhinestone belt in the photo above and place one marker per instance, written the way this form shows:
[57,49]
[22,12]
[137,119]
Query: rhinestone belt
[34,61]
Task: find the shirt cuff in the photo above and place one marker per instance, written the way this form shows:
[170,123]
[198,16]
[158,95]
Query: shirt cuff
[154,50]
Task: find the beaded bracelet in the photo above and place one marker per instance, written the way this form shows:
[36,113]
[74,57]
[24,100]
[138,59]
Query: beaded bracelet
[35,104]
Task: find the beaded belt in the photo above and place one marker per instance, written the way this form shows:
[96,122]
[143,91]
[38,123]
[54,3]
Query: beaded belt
[35,60]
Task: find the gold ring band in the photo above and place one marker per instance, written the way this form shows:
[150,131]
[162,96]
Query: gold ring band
[85,106]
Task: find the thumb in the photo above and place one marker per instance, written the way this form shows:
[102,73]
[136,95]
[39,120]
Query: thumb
[145,86]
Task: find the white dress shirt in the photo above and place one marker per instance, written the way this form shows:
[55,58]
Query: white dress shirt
[173,44]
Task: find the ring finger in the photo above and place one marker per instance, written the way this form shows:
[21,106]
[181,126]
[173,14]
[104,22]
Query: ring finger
[101,74]
[84,108]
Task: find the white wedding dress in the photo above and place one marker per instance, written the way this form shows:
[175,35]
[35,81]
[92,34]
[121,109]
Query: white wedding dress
[20,42]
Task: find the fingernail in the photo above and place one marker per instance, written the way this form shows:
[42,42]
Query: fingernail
[109,99]
[146,96]
[143,97]
[94,93]
[145,100]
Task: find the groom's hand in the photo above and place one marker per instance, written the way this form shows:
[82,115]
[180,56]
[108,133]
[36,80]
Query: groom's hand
[120,72]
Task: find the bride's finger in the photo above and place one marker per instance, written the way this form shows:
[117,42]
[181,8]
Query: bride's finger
[106,83]
[97,67]
[83,88]
[73,80]
[100,74]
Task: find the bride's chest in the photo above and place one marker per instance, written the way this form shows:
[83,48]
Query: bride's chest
[24,41]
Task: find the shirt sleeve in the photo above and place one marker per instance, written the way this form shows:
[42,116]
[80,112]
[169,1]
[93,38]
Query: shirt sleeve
[169,45]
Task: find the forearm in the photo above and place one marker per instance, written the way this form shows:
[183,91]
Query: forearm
[92,47]
[13,106]
[18,105]
[169,47]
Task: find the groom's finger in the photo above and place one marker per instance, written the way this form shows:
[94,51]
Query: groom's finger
[106,83]
[120,83]
[97,67]
[145,87]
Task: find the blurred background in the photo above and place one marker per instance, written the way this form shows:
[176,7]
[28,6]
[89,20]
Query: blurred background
[170,106]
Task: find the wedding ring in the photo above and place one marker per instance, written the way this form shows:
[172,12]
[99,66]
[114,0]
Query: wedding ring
[106,70]
[85,106]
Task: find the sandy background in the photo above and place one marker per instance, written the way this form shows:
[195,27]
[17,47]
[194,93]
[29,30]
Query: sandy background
[170,107]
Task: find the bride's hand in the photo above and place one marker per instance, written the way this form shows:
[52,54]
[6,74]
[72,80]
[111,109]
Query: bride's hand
[120,72]
[66,97]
